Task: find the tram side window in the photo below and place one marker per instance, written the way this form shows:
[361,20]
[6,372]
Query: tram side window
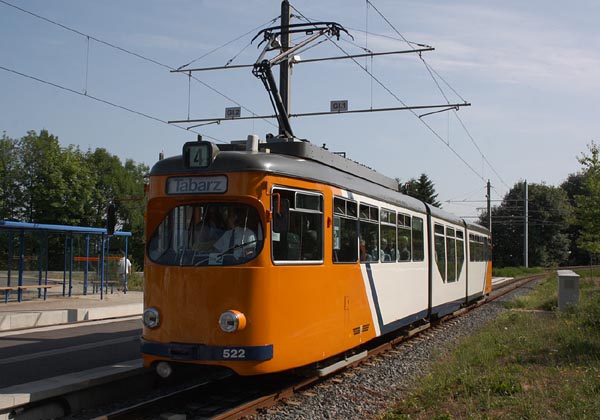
[298,228]
[451,254]
[471,247]
[418,249]
[483,252]
[440,250]
[484,245]
[389,250]
[369,233]
[345,231]
[479,248]
[460,252]
[404,238]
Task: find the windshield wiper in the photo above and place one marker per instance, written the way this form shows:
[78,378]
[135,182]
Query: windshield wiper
[226,252]
[233,248]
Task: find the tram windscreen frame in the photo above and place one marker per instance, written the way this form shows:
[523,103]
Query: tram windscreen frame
[204,234]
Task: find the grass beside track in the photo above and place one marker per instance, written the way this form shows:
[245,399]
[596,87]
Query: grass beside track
[516,271]
[531,363]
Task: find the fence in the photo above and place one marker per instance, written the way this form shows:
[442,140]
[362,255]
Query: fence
[41,260]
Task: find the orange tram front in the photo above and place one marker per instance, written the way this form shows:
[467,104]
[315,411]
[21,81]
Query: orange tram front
[253,258]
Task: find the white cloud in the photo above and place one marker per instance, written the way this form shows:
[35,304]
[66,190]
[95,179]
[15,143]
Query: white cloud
[512,48]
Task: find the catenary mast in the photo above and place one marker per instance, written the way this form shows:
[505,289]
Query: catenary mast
[284,67]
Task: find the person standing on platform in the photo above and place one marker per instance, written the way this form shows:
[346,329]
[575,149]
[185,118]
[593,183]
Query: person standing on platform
[124,271]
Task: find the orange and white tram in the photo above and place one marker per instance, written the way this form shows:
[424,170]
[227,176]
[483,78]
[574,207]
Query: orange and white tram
[270,256]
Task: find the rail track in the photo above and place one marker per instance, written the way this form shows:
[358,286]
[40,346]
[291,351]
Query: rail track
[228,397]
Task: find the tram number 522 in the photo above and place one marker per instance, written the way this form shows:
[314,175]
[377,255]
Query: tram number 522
[234,354]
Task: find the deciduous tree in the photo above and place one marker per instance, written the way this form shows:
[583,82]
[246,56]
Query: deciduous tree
[42,182]
[549,216]
[574,186]
[10,173]
[588,204]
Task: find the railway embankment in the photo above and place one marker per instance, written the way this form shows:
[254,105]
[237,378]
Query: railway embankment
[533,361]
[514,357]
[370,390]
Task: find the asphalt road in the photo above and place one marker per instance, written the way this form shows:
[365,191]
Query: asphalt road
[44,353]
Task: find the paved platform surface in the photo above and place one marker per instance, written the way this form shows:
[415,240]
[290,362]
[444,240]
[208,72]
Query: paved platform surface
[34,313]
[20,319]
[499,280]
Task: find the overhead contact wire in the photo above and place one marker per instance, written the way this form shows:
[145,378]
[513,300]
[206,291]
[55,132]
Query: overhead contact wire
[227,43]
[432,72]
[400,100]
[104,101]
[132,53]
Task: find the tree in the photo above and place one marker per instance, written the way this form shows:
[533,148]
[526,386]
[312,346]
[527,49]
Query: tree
[108,177]
[56,184]
[549,215]
[587,205]
[10,173]
[131,205]
[124,186]
[422,189]
[42,182]
[574,185]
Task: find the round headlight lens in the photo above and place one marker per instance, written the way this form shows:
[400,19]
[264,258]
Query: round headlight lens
[231,321]
[151,317]
[163,369]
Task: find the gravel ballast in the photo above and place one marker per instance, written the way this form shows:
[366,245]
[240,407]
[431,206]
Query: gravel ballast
[365,392]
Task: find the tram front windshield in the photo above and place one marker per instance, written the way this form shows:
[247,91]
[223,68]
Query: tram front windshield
[207,234]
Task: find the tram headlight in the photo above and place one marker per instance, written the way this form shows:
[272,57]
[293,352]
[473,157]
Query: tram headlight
[151,317]
[163,369]
[231,321]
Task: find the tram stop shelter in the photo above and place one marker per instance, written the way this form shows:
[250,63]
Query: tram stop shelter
[42,260]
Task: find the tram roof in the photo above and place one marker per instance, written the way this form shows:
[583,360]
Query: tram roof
[476,227]
[304,160]
[300,160]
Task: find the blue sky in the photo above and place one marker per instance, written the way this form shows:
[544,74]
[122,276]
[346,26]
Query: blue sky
[529,69]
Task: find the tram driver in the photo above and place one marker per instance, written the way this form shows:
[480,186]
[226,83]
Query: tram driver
[208,229]
[238,239]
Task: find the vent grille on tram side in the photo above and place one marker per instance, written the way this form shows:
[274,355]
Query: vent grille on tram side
[361,329]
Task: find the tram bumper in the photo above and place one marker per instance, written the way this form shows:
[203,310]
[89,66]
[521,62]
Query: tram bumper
[202,352]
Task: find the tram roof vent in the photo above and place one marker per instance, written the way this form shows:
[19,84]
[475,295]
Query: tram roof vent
[252,143]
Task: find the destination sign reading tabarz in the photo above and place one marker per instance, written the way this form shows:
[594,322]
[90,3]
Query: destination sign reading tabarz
[197,185]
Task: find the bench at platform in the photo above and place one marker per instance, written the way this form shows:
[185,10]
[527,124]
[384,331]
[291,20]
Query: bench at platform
[107,284]
[7,289]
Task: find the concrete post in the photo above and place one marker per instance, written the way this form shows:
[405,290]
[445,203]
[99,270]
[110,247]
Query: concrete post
[568,289]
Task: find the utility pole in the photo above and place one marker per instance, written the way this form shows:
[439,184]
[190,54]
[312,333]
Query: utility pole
[526,228]
[284,66]
[489,205]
